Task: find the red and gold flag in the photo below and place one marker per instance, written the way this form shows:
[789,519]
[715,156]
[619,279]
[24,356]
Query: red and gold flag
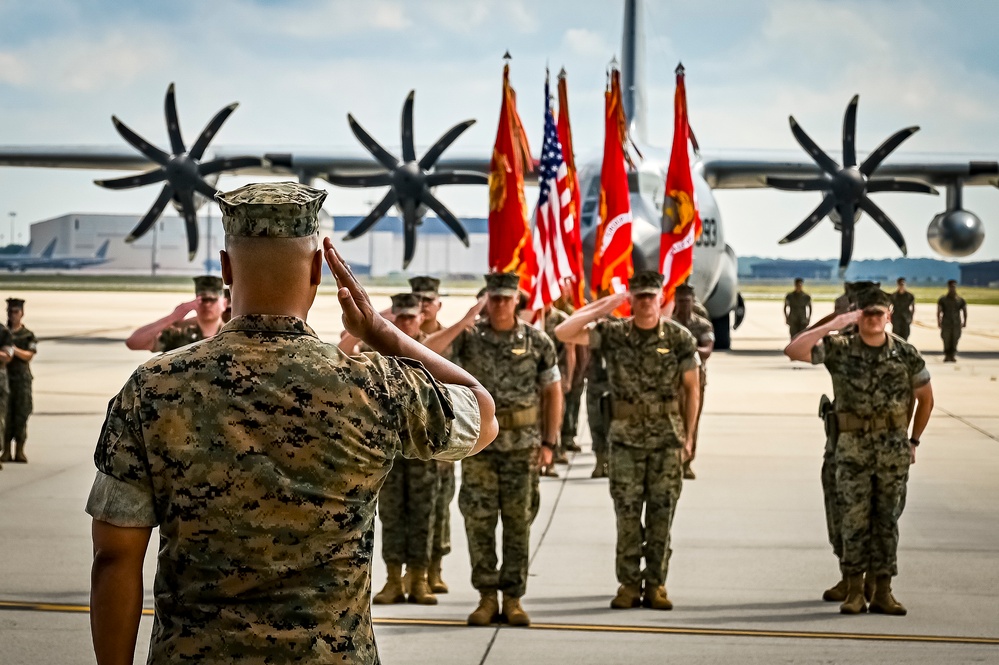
[573,239]
[612,263]
[681,221]
[509,230]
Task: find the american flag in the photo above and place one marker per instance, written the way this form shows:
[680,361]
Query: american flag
[554,220]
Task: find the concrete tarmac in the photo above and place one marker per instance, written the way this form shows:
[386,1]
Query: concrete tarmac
[750,557]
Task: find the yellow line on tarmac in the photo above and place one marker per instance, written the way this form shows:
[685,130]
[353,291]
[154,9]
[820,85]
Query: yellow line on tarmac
[601,628]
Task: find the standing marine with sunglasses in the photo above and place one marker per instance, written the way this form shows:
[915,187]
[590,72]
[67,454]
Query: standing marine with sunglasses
[879,382]
[175,330]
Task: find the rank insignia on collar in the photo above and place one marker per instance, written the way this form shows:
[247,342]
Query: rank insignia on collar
[663,351]
[518,352]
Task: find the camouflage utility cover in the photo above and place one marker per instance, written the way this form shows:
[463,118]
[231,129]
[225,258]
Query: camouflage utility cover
[208,284]
[503,284]
[645,367]
[178,335]
[645,281]
[259,453]
[425,287]
[513,366]
[271,210]
[871,380]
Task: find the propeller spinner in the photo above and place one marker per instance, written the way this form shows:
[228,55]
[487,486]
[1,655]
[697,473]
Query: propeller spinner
[410,180]
[181,168]
[846,188]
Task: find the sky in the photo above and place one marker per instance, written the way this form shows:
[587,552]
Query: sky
[297,67]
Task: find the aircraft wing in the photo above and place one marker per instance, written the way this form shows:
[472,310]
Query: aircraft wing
[749,169]
[317,163]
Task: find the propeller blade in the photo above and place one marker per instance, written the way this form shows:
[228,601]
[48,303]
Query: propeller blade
[367,180]
[140,144]
[878,215]
[408,149]
[846,249]
[203,188]
[210,130]
[900,185]
[362,226]
[384,157]
[850,133]
[874,160]
[230,164]
[410,220]
[798,184]
[443,143]
[824,208]
[446,216]
[456,178]
[147,178]
[825,162]
[152,215]
[847,211]
[190,214]
[173,123]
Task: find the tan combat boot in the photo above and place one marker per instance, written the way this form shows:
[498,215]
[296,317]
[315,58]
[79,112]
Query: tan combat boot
[434,579]
[854,603]
[628,596]
[19,455]
[656,598]
[392,592]
[487,612]
[884,601]
[419,590]
[514,613]
[837,593]
[600,470]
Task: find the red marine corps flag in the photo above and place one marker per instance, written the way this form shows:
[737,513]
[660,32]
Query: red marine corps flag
[681,222]
[509,230]
[612,265]
[573,239]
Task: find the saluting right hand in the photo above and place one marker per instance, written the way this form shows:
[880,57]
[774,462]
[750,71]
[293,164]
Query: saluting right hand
[359,317]
[845,319]
[184,308]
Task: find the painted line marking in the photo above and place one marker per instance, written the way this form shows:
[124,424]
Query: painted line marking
[600,628]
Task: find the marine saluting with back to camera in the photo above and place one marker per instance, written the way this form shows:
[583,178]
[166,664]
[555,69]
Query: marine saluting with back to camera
[259,454]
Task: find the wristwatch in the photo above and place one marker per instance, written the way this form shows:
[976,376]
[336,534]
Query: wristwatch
[548,444]
[913,442]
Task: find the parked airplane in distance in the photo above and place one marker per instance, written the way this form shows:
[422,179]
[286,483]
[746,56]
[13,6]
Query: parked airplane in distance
[24,260]
[45,260]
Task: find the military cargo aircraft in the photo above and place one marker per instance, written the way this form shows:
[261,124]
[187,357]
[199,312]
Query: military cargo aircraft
[189,174]
[25,260]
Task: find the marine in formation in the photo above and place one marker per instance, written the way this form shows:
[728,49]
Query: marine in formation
[653,370]
[881,388]
[517,364]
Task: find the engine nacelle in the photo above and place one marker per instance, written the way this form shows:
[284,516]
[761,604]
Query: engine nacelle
[956,232]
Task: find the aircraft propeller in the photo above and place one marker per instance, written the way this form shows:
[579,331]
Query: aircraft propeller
[410,180]
[846,188]
[181,168]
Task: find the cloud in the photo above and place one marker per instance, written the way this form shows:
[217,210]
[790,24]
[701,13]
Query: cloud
[586,43]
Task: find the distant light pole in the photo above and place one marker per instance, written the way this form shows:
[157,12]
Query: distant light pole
[13,216]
